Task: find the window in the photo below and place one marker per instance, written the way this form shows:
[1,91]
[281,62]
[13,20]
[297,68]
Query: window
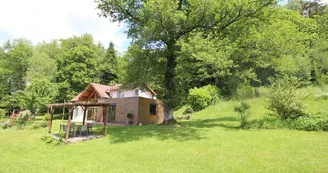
[152,108]
[120,94]
[136,92]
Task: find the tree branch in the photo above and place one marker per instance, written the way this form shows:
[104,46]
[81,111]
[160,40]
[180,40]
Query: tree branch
[180,5]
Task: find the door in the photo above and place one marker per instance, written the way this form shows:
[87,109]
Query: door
[112,113]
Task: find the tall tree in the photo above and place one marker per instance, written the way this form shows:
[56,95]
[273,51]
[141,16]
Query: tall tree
[78,66]
[109,66]
[16,55]
[160,25]
[41,66]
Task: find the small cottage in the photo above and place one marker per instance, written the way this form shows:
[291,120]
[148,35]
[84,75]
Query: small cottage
[142,105]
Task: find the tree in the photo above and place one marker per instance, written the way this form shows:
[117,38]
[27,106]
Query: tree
[41,66]
[109,67]
[36,95]
[78,66]
[160,25]
[319,51]
[16,56]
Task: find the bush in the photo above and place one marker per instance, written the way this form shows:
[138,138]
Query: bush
[5,126]
[2,113]
[316,122]
[35,126]
[25,115]
[285,100]
[243,112]
[44,124]
[311,123]
[46,117]
[47,138]
[245,91]
[200,98]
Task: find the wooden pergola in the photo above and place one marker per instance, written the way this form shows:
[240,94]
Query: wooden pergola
[71,107]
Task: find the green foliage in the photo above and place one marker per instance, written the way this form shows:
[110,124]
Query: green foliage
[189,110]
[312,123]
[5,126]
[285,100]
[159,27]
[41,66]
[200,98]
[243,112]
[3,113]
[25,115]
[37,125]
[39,93]
[46,138]
[317,122]
[78,66]
[46,117]
[109,67]
[245,91]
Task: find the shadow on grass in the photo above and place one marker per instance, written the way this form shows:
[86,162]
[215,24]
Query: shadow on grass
[122,134]
[225,122]
[184,131]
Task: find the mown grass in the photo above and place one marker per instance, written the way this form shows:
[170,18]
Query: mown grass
[210,142]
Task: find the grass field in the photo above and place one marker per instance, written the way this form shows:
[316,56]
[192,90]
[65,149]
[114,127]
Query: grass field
[211,142]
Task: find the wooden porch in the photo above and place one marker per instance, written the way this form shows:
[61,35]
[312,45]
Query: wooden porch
[71,107]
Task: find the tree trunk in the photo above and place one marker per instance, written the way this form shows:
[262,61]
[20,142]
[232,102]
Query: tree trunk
[169,94]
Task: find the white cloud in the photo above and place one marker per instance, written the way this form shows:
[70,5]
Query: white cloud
[39,20]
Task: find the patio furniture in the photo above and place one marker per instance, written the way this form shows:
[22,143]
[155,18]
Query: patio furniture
[89,125]
[84,129]
[77,130]
[63,127]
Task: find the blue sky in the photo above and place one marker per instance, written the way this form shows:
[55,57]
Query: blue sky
[44,20]
[38,20]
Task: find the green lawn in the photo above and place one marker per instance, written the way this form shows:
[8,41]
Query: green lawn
[211,142]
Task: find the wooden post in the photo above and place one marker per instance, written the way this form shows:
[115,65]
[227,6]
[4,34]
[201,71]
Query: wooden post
[105,110]
[63,111]
[68,124]
[84,114]
[51,117]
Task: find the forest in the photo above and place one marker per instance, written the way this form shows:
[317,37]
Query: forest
[244,85]
[176,46]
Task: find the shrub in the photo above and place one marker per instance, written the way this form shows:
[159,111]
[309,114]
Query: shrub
[311,123]
[2,113]
[243,112]
[35,126]
[285,100]
[46,138]
[5,126]
[245,91]
[25,115]
[46,117]
[44,124]
[200,98]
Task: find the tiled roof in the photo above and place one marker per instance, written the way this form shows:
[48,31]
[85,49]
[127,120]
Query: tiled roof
[99,91]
